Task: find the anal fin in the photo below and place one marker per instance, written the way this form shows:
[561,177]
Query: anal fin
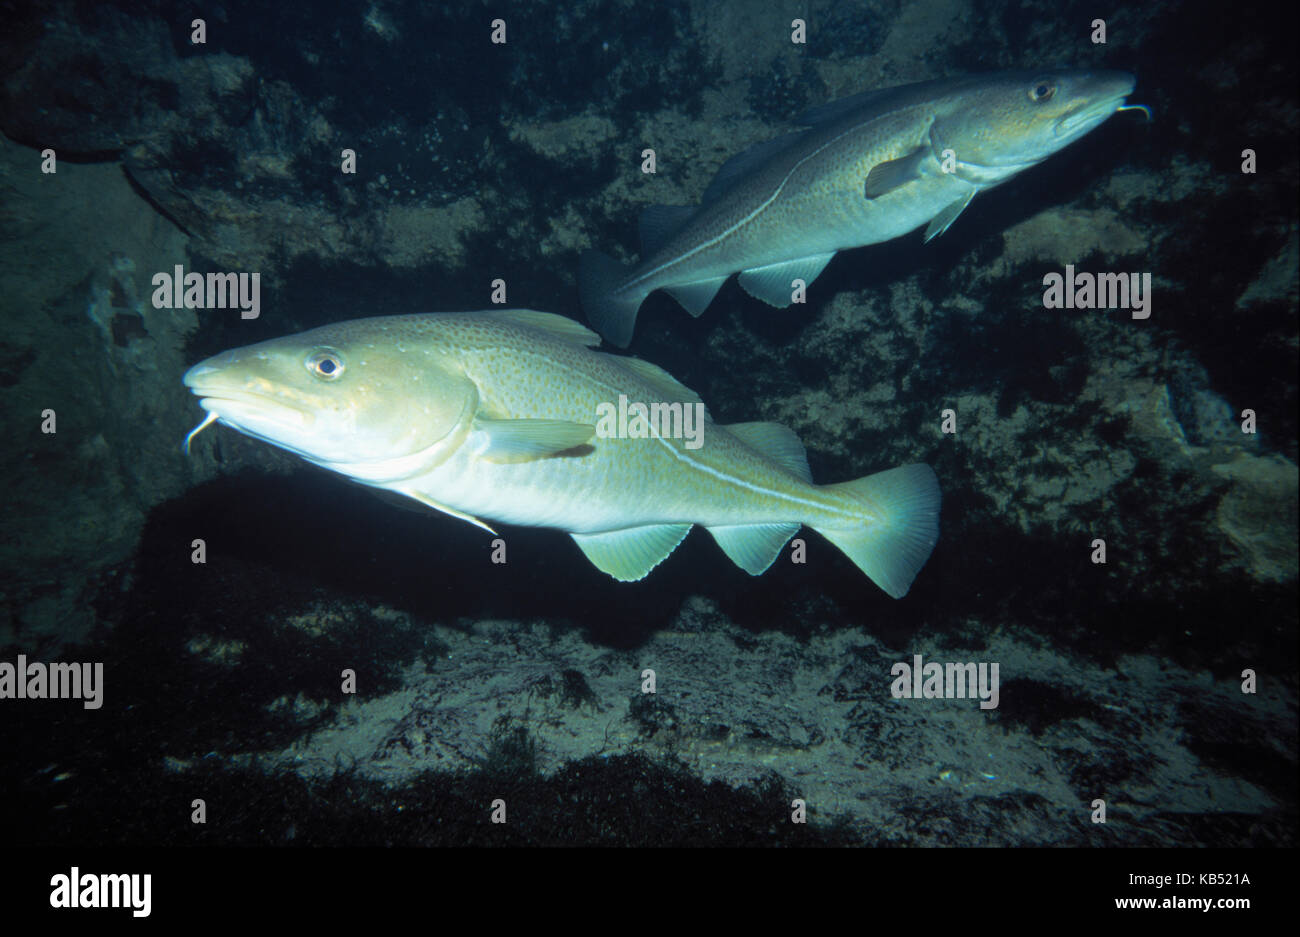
[772,284]
[695,297]
[755,547]
[629,555]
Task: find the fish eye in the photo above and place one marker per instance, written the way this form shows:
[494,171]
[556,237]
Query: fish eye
[326,364]
[1042,91]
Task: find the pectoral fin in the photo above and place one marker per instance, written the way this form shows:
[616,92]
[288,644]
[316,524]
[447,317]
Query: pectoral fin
[629,555]
[524,440]
[886,177]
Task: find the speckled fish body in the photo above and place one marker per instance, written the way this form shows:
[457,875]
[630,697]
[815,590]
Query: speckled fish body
[510,416]
[867,169]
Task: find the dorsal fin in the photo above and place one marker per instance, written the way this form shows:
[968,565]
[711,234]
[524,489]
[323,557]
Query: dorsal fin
[778,443]
[745,162]
[659,223]
[869,104]
[559,327]
[672,389]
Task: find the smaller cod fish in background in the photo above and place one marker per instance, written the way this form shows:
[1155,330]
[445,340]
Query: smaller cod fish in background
[497,415]
[868,169]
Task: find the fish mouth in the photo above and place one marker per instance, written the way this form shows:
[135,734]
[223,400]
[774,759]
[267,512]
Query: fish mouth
[242,412]
[1086,116]
[253,416]
[241,408]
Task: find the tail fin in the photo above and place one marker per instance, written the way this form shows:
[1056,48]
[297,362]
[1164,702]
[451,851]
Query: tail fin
[893,551]
[612,313]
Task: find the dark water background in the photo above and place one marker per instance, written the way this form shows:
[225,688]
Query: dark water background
[510,159]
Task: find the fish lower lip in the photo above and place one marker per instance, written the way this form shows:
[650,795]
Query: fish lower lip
[1091,115]
[237,410]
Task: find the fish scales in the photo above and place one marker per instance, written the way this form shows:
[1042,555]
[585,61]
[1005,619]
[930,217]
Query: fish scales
[866,170]
[505,416]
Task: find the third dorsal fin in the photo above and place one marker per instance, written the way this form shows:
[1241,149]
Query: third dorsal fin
[659,223]
[777,442]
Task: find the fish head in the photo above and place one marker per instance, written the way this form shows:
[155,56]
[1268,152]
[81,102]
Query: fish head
[373,399]
[1010,121]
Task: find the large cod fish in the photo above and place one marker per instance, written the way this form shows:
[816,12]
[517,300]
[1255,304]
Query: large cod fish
[509,416]
[869,168]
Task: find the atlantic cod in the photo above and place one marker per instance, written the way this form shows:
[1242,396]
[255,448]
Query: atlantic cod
[869,168]
[498,415]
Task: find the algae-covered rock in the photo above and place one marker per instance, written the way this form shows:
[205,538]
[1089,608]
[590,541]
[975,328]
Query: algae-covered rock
[1258,513]
[88,356]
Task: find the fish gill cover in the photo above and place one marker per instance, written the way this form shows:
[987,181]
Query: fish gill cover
[1118,529]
